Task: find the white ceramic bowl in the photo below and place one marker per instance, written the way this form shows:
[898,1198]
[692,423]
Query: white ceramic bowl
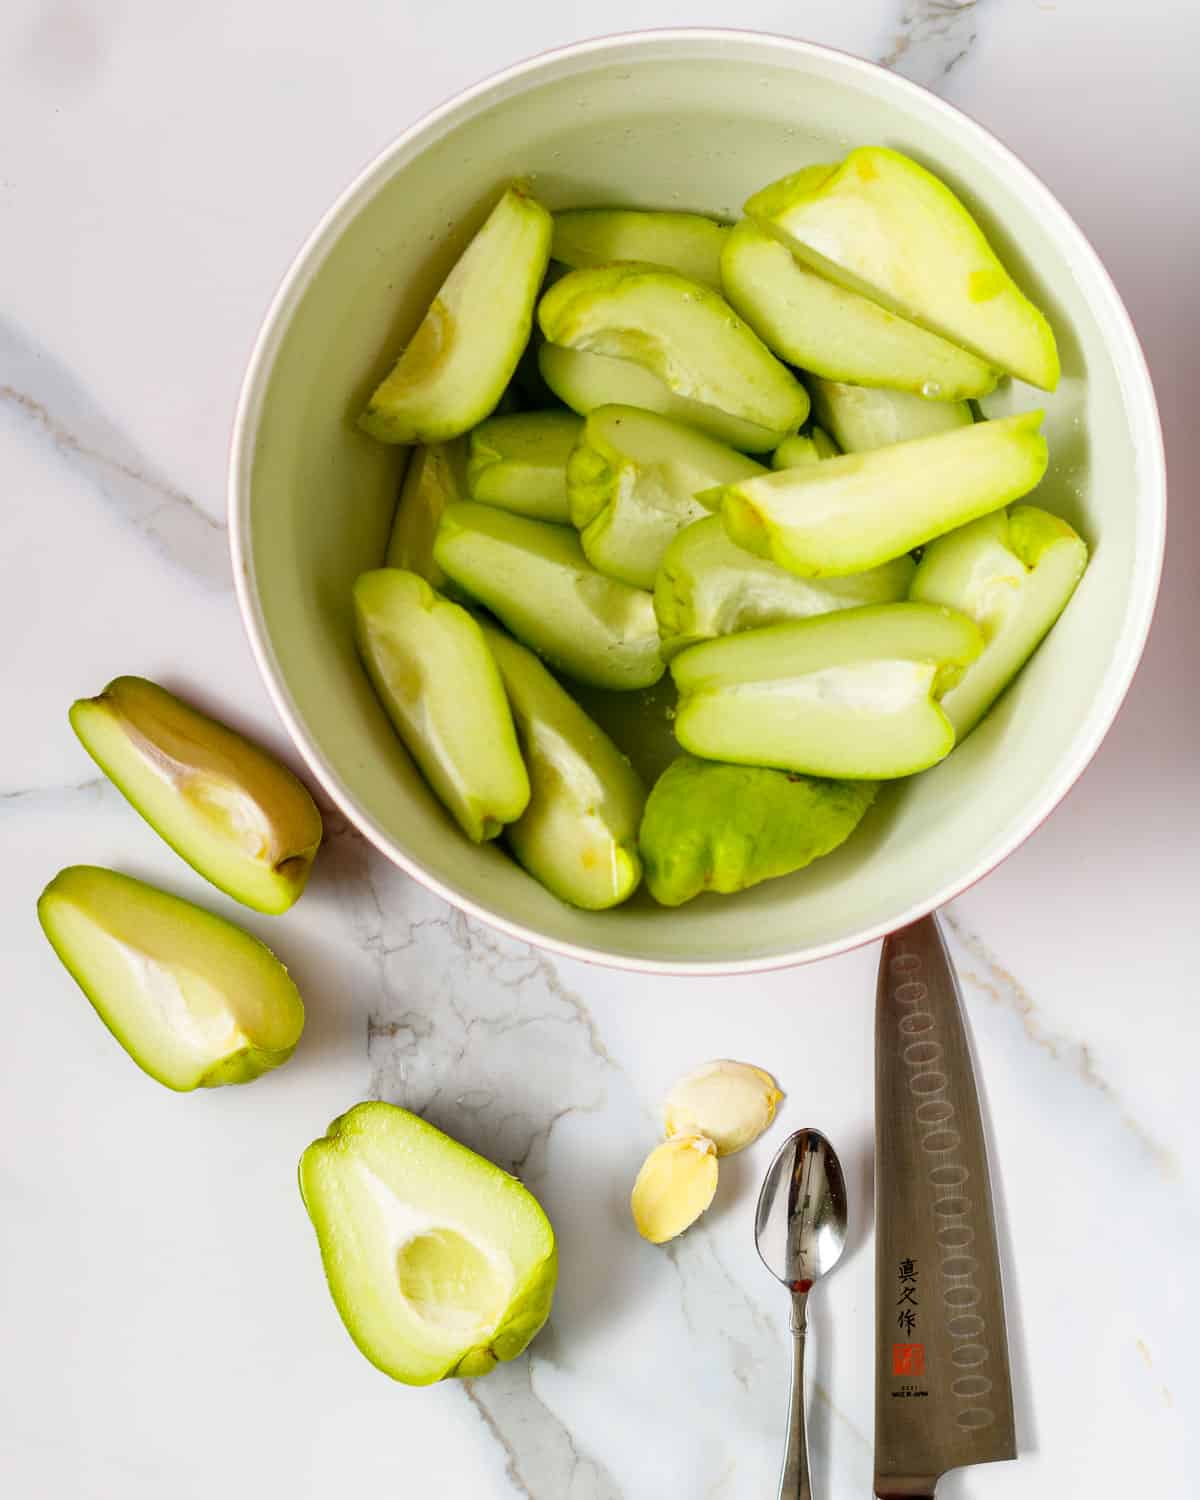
[697,120]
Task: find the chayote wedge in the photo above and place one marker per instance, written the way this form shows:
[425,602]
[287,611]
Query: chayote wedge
[519,462]
[586,381]
[194,1000]
[687,243]
[882,226]
[235,813]
[535,578]
[684,333]
[820,326]
[805,448]
[578,836]
[435,478]
[1014,573]
[632,479]
[707,586]
[848,514]
[861,417]
[711,827]
[848,695]
[436,677]
[462,356]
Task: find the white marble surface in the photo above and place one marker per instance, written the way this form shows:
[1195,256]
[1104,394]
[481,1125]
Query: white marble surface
[163,1325]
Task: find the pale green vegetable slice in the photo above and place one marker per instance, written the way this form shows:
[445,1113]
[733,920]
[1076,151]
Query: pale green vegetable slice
[632,480]
[1014,573]
[586,381]
[882,226]
[810,321]
[232,811]
[707,586]
[435,478]
[439,1263]
[687,243]
[194,1000]
[535,578]
[578,835]
[861,417]
[684,333]
[805,448]
[712,827]
[848,514]
[847,695]
[435,676]
[519,462]
[457,364]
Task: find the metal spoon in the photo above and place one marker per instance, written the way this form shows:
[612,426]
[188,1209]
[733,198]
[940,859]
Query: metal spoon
[800,1232]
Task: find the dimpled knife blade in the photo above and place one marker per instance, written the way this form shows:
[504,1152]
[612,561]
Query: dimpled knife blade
[943,1394]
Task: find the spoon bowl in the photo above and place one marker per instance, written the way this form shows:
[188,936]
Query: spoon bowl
[800,1233]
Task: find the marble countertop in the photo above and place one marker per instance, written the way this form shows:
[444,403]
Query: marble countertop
[165,1327]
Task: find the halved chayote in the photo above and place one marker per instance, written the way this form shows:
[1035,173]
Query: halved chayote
[723,828]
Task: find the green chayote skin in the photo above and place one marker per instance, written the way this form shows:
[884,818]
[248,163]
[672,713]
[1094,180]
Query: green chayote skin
[713,827]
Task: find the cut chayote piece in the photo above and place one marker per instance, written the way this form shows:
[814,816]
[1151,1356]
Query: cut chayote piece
[687,243]
[862,418]
[194,1000]
[586,381]
[848,514]
[632,479]
[535,578]
[848,695]
[882,226]
[435,478]
[519,462]
[710,827]
[232,811]
[708,586]
[440,685]
[680,331]
[805,448]
[1014,573]
[440,1263]
[578,835]
[810,321]
[462,356]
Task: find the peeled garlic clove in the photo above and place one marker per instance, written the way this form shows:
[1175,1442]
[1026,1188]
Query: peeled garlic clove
[674,1187]
[730,1103]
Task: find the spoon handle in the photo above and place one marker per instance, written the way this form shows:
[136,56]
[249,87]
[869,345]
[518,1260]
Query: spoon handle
[794,1481]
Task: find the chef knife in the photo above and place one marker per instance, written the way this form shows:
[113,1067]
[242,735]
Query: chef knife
[943,1395]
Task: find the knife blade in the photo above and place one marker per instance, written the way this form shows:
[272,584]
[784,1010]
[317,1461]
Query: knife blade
[943,1391]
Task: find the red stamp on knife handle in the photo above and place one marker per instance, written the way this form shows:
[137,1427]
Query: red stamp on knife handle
[908,1359]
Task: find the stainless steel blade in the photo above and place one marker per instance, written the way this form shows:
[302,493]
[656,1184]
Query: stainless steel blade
[943,1393]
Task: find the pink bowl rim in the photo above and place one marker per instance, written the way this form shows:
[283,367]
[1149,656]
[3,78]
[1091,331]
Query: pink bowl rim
[1139,393]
